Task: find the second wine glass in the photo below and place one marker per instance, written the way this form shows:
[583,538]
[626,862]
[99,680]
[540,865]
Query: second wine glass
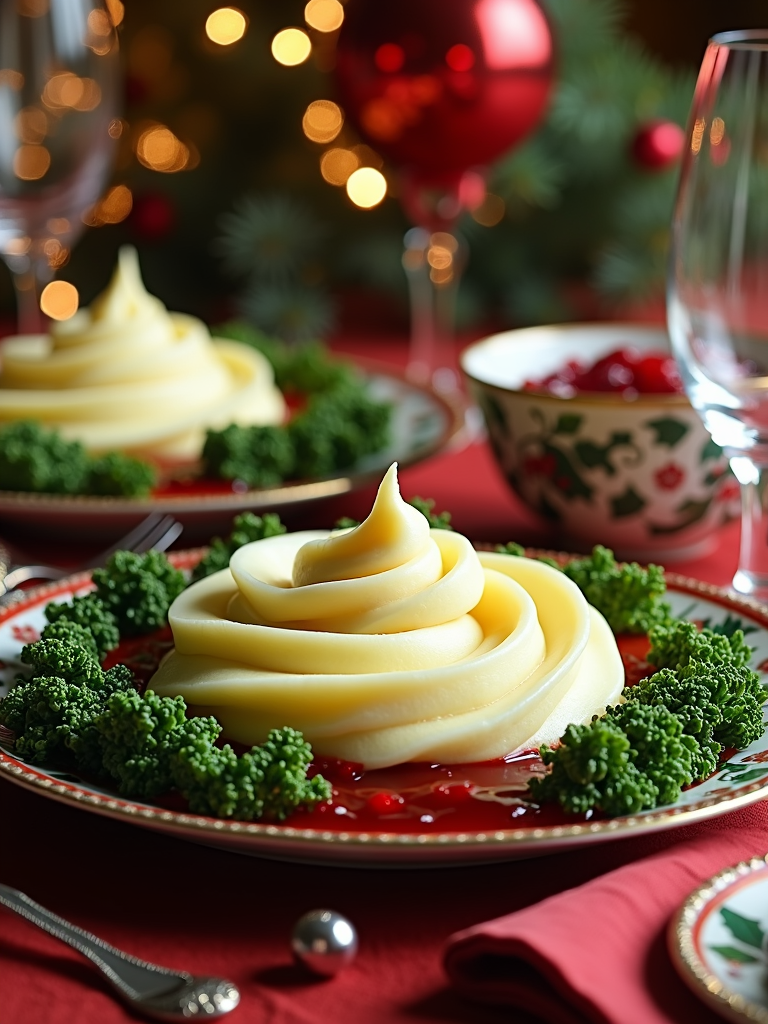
[718,281]
[58,99]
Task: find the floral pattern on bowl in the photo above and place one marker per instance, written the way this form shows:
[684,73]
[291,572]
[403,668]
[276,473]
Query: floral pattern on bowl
[643,477]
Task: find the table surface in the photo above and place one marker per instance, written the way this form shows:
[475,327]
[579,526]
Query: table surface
[210,911]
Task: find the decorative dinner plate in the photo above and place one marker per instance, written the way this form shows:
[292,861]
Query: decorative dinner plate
[442,814]
[719,941]
[423,423]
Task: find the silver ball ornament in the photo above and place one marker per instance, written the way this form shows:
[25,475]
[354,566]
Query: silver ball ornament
[324,941]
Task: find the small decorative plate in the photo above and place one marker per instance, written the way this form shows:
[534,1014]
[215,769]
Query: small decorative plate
[493,822]
[719,941]
[424,422]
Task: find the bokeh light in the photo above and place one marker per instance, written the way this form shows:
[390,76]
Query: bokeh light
[116,127]
[337,164]
[490,212]
[324,15]
[12,79]
[389,57]
[68,90]
[291,46]
[226,26]
[58,225]
[322,120]
[56,254]
[460,58]
[30,163]
[112,208]
[366,187]
[31,125]
[116,10]
[159,149]
[59,300]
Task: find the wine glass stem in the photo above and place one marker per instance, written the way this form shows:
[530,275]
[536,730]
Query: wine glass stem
[432,290]
[752,575]
[28,285]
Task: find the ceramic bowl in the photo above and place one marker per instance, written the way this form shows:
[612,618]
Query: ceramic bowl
[642,477]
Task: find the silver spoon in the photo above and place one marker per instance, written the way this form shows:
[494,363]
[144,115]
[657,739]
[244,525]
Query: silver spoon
[155,991]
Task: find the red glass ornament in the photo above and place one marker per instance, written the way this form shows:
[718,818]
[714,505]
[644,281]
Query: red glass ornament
[442,86]
[658,144]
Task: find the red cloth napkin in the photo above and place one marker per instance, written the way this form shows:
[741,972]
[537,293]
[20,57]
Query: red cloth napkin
[596,954]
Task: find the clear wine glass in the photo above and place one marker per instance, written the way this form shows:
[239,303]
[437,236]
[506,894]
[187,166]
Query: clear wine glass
[717,302]
[58,99]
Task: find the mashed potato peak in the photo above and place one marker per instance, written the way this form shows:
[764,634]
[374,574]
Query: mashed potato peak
[390,642]
[126,374]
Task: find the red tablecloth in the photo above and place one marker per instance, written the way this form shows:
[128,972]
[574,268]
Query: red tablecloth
[208,911]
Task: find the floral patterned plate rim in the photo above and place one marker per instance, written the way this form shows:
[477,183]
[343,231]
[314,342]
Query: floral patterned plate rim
[719,942]
[739,781]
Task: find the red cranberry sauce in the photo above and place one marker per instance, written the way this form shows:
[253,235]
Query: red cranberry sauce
[627,371]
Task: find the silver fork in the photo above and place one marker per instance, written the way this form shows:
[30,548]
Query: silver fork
[156,991]
[156,531]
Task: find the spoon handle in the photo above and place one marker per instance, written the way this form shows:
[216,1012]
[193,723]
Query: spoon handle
[136,979]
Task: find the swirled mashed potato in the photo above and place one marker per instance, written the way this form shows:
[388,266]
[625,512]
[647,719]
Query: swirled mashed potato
[126,374]
[389,643]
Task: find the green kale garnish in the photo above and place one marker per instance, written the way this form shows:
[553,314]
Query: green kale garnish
[628,595]
[89,612]
[120,475]
[268,781]
[259,456]
[35,459]
[247,527]
[437,521]
[622,763]
[705,698]
[138,590]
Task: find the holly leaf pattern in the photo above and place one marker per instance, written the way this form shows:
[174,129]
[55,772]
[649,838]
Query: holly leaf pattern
[710,451]
[745,929]
[734,955]
[592,456]
[627,504]
[668,431]
[568,423]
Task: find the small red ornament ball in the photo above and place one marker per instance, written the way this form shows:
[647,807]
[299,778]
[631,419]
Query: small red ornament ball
[658,144]
[152,216]
[442,86]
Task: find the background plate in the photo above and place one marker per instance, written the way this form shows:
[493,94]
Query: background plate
[717,941]
[739,781]
[423,423]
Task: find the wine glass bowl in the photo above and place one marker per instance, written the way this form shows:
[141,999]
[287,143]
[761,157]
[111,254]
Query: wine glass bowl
[718,280]
[58,97]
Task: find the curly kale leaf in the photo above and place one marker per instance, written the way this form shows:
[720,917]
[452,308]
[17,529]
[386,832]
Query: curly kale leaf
[119,475]
[138,590]
[437,521]
[65,659]
[628,595]
[35,459]
[246,529]
[90,612]
[268,781]
[259,456]
[676,643]
[337,429]
[623,763]
[53,718]
[139,734]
